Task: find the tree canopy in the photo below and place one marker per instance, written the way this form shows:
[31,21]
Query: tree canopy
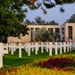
[40,21]
[35,4]
[11,19]
[44,35]
[71,19]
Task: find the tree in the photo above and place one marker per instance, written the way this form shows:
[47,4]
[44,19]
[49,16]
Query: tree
[35,4]
[39,34]
[72,19]
[39,20]
[11,18]
[44,35]
[27,22]
[51,23]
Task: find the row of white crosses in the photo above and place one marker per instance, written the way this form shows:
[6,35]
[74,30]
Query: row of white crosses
[48,45]
[31,46]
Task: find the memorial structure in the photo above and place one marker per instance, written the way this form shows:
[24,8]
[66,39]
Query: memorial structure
[66,32]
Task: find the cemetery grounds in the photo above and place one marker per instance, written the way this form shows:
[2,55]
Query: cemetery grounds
[28,65]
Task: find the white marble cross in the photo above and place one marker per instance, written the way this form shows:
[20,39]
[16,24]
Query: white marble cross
[20,46]
[2,52]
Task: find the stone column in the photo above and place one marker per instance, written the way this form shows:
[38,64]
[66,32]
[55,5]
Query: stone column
[33,34]
[66,33]
[73,33]
[54,31]
[60,32]
[29,34]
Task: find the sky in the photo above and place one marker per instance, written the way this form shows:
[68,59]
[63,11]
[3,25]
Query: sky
[53,13]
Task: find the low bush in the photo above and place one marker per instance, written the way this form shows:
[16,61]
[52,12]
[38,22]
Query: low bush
[34,70]
[2,72]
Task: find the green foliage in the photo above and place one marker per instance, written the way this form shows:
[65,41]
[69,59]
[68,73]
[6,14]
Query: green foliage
[51,38]
[39,34]
[9,59]
[40,21]
[72,19]
[49,4]
[11,18]
[53,23]
[44,35]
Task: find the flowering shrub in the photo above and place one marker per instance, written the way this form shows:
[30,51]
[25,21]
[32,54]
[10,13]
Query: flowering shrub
[34,70]
[30,69]
[57,62]
[61,66]
[2,72]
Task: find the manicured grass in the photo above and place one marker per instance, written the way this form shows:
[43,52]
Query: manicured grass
[14,60]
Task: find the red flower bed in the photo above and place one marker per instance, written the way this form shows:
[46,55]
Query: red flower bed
[57,62]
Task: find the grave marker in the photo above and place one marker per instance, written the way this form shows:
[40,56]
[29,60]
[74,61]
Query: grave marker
[2,52]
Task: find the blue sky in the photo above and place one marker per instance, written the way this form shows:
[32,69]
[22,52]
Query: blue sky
[53,13]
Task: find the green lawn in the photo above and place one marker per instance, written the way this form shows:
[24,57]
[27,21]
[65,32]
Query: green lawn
[14,60]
